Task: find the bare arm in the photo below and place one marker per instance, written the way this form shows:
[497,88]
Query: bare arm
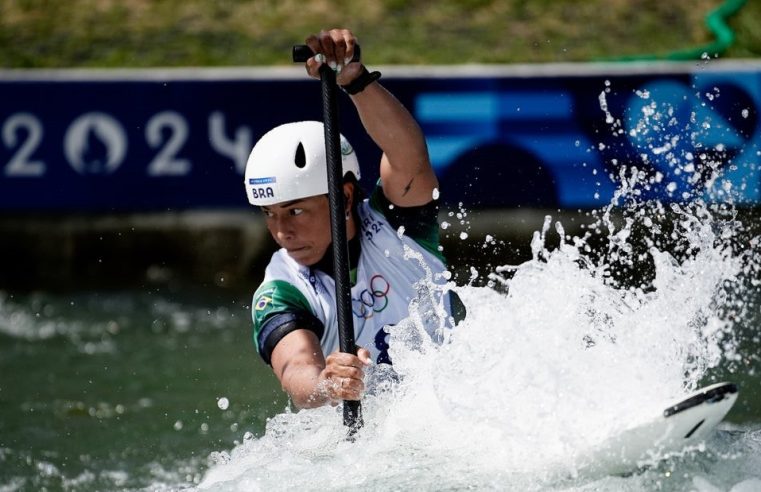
[405,169]
[310,379]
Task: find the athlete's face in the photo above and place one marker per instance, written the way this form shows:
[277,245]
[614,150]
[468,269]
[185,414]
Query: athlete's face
[302,227]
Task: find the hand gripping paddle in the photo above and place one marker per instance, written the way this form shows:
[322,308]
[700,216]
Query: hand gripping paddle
[352,409]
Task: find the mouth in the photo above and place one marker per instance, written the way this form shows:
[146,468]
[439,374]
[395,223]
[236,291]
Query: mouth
[302,254]
[298,250]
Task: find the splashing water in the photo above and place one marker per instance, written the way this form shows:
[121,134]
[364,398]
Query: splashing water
[558,354]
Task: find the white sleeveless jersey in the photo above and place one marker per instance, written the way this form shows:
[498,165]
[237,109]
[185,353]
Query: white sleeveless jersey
[393,271]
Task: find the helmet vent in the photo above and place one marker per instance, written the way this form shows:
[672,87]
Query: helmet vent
[300,158]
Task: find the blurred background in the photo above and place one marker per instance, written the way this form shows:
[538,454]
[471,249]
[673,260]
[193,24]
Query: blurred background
[99,33]
[128,252]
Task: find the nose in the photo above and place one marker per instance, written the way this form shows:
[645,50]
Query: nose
[282,229]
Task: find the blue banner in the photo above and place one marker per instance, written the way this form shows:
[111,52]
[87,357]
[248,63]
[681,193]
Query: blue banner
[504,139]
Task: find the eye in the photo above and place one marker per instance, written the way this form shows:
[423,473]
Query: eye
[267,213]
[296,211]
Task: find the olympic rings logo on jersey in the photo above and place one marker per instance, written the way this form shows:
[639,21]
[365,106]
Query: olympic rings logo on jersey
[372,300]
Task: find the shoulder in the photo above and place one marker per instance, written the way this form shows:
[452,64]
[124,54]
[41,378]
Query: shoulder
[272,294]
[420,223]
[417,215]
[281,290]
[279,308]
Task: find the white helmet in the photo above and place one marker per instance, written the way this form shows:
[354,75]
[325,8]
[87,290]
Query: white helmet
[289,163]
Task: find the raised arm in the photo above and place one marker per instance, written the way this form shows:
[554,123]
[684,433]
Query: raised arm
[405,169]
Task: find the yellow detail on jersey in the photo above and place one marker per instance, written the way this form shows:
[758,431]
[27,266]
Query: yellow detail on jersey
[262,303]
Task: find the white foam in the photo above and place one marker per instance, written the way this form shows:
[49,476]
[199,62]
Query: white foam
[571,348]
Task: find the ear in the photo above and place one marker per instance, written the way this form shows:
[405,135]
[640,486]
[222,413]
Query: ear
[348,196]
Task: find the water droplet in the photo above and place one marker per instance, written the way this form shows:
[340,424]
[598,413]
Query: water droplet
[435,193]
[248,436]
[178,425]
[223,403]
[463,235]
[444,225]
[745,113]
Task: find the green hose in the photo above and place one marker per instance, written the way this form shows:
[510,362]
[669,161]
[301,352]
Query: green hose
[715,21]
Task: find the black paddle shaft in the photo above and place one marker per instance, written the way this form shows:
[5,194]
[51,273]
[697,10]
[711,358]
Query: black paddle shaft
[352,409]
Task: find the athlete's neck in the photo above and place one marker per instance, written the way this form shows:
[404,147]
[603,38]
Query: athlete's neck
[326,262]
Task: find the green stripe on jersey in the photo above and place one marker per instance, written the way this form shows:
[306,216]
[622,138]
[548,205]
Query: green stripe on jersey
[274,297]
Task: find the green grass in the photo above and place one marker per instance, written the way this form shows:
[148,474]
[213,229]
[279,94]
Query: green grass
[145,33]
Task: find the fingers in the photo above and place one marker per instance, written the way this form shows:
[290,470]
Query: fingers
[345,365]
[334,47]
[364,355]
[342,388]
[343,46]
[348,389]
[343,375]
